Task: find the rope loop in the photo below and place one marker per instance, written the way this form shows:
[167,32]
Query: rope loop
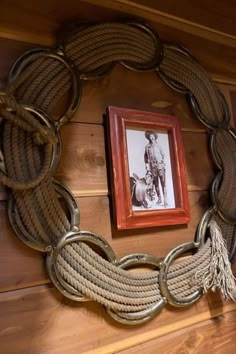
[223,145]
[154,63]
[60,63]
[94,48]
[34,127]
[20,116]
[19,223]
[172,83]
[163,277]
[225,119]
[201,232]
[65,243]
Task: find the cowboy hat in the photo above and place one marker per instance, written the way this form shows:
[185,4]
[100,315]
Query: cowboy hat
[148,133]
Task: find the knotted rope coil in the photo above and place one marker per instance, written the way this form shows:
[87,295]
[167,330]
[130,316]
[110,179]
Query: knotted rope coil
[30,143]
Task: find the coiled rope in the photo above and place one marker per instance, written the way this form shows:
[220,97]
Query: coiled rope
[41,80]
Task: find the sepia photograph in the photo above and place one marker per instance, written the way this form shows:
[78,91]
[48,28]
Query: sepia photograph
[147,169]
[151,180]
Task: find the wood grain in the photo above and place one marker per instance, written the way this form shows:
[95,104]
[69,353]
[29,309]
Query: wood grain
[52,12]
[200,170]
[83,165]
[48,323]
[212,336]
[128,89]
[160,240]
[121,87]
[22,267]
[38,24]
[219,19]
[10,51]
[217,68]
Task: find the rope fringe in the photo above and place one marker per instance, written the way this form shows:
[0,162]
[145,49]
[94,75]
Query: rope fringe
[218,273]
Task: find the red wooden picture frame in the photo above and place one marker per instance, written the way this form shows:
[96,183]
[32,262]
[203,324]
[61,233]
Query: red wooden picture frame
[131,131]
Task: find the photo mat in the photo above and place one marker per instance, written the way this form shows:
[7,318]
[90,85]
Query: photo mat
[150,171]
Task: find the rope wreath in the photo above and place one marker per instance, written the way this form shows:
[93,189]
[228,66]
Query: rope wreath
[81,264]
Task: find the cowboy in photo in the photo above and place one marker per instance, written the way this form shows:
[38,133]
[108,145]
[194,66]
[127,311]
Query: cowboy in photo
[154,159]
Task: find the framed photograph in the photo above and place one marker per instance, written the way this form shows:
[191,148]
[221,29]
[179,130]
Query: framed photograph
[148,179]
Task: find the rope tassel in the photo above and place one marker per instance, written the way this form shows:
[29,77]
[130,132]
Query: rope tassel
[218,273]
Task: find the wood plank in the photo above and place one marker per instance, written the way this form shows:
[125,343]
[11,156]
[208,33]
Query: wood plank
[83,166]
[218,68]
[193,38]
[10,51]
[48,14]
[233,103]
[175,23]
[36,24]
[197,159]
[144,91]
[226,90]
[83,162]
[160,240]
[39,23]
[151,95]
[212,336]
[22,267]
[60,325]
[220,19]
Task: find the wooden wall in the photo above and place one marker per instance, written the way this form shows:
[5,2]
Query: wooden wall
[34,317]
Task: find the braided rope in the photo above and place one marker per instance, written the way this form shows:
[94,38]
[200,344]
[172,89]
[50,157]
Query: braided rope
[77,270]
